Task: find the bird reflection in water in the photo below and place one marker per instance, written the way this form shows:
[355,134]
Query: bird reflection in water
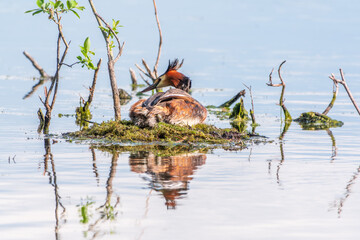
[169,176]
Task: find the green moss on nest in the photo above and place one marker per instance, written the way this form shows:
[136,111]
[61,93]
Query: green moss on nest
[127,132]
[156,149]
[317,121]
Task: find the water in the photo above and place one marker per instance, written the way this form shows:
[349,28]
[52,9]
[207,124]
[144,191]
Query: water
[304,186]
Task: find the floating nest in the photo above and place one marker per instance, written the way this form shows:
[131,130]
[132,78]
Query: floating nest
[125,132]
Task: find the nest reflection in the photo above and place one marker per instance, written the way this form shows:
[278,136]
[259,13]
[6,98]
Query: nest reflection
[168,175]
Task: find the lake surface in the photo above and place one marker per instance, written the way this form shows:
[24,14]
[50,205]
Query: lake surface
[302,186]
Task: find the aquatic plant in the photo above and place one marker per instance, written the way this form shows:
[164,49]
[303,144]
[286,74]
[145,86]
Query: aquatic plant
[317,121]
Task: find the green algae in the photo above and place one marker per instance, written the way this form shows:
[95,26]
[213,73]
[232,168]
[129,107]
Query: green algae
[317,121]
[126,132]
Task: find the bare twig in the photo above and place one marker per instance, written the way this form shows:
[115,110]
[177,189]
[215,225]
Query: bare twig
[160,41]
[153,74]
[70,65]
[133,76]
[252,105]
[143,78]
[331,104]
[282,100]
[42,72]
[143,71]
[343,82]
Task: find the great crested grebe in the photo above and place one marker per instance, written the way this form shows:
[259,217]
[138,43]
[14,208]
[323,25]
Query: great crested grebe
[174,106]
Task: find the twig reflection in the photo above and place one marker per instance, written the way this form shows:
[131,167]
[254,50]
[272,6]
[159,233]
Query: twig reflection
[334,148]
[106,211]
[282,154]
[53,182]
[339,204]
[36,86]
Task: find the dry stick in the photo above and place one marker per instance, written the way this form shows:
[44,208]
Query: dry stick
[343,82]
[111,61]
[252,105]
[36,65]
[133,77]
[143,78]
[281,102]
[331,104]
[153,74]
[160,41]
[55,79]
[143,71]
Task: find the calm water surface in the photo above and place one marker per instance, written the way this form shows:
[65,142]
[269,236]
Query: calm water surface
[304,186]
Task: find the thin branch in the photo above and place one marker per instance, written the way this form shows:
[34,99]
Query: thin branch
[331,104]
[252,105]
[92,88]
[279,73]
[70,65]
[160,41]
[143,78]
[120,46]
[282,100]
[36,65]
[343,82]
[143,71]
[270,83]
[152,75]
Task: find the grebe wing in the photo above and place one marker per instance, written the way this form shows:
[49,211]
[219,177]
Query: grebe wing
[165,96]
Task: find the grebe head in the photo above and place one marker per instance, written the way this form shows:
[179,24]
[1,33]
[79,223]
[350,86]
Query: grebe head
[171,77]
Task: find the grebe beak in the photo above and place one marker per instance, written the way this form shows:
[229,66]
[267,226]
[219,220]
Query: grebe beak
[153,86]
[160,82]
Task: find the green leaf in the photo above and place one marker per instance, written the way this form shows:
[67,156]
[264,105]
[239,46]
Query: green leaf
[29,11]
[75,13]
[40,3]
[79,58]
[37,12]
[52,3]
[57,4]
[68,3]
[80,7]
[87,44]
[91,65]
[73,3]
